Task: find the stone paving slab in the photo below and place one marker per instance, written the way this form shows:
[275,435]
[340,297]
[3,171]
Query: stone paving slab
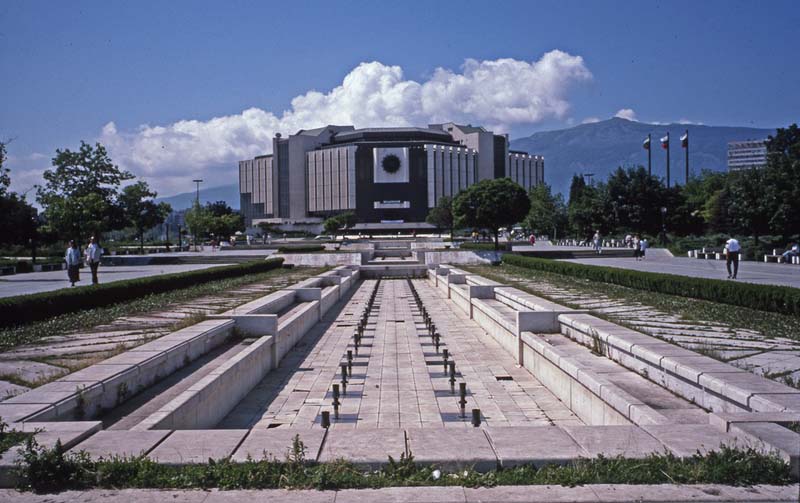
[686,440]
[533,445]
[452,449]
[611,441]
[276,443]
[197,446]
[364,447]
[108,444]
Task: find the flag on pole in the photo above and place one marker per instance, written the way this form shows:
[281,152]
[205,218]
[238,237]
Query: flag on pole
[665,142]
[685,140]
[646,144]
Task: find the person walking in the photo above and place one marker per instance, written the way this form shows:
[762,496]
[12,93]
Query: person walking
[732,249]
[637,248]
[643,245]
[597,242]
[532,239]
[93,254]
[73,260]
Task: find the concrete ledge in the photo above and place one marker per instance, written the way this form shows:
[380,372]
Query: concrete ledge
[275,444]
[197,446]
[210,399]
[712,384]
[540,445]
[364,447]
[452,449]
[269,304]
[85,393]
[108,444]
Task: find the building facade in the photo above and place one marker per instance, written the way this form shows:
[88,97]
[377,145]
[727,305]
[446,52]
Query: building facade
[389,176]
[747,154]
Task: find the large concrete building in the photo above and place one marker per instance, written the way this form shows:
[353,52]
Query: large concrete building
[747,154]
[389,177]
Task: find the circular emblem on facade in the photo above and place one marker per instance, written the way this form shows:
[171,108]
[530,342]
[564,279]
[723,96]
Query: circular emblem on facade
[391,163]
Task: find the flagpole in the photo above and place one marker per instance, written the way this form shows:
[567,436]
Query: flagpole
[687,157]
[667,159]
[649,147]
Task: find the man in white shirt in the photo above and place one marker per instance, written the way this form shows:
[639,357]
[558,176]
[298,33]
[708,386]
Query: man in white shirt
[93,254]
[732,250]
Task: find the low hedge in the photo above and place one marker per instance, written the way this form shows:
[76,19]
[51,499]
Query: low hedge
[482,246]
[779,299]
[23,309]
[301,248]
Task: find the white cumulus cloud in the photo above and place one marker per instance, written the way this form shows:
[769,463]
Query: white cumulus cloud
[498,94]
[590,120]
[626,113]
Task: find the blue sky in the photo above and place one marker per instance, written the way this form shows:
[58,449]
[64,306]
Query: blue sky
[136,74]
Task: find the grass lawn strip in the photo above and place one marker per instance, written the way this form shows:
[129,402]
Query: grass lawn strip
[48,470]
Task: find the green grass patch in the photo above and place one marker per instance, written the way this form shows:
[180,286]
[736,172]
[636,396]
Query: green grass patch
[778,299]
[88,318]
[23,309]
[49,470]
[691,310]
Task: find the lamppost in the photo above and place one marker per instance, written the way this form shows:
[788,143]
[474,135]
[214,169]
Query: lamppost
[197,200]
[198,182]
[663,226]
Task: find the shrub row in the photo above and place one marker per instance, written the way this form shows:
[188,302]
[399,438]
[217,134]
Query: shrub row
[311,248]
[38,306]
[482,246]
[779,299]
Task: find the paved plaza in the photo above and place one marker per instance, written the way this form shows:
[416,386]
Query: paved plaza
[36,282]
[749,271]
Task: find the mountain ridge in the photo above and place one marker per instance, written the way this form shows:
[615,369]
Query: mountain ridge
[601,147]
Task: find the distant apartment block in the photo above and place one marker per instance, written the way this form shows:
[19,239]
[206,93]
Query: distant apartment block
[747,154]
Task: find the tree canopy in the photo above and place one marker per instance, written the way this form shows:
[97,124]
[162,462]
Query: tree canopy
[548,212]
[79,194]
[140,211]
[491,205]
[441,215]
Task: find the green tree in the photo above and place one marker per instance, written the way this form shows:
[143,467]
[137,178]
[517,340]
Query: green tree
[332,225]
[588,209]
[782,177]
[636,199]
[18,222]
[80,193]
[750,206]
[225,226]
[198,220]
[491,205]
[441,215]
[139,209]
[548,212]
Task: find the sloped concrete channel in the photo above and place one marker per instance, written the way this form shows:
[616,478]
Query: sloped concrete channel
[452,367]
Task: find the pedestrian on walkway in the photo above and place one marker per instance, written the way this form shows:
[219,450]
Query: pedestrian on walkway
[93,254]
[732,250]
[597,242]
[532,239]
[73,260]
[643,246]
[637,248]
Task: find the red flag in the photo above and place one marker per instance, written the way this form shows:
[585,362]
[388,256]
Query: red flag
[665,142]
[685,140]
[646,144]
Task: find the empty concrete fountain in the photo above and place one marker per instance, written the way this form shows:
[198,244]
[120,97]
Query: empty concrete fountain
[398,357]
